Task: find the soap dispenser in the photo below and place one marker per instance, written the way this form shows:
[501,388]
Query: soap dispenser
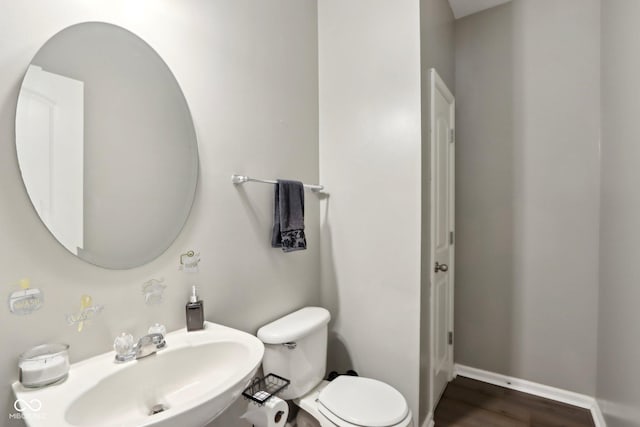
[195,312]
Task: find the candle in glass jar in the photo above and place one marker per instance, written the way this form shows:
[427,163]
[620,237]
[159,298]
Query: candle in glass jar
[43,370]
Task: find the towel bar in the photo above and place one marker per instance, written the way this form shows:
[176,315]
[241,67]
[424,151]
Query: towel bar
[241,179]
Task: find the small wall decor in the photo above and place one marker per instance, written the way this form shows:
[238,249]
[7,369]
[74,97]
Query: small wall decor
[153,290]
[26,300]
[189,262]
[87,312]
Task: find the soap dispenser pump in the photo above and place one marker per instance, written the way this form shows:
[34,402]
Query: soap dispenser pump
[195,312]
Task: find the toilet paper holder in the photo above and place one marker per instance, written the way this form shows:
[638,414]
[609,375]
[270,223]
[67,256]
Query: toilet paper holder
[262,389]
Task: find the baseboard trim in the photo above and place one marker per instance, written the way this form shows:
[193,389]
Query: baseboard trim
[429,421]
[541,390]
[598,417]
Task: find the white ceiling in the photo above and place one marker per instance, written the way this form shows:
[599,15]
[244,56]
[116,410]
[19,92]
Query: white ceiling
[467,7]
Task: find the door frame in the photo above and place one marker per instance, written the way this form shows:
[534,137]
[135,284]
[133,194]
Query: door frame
[436,83]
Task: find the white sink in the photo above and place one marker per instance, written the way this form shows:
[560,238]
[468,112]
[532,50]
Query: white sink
[196,377]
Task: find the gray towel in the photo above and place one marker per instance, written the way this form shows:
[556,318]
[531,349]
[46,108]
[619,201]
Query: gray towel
[288,217]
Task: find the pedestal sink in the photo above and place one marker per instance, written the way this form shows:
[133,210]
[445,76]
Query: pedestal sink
[187,384]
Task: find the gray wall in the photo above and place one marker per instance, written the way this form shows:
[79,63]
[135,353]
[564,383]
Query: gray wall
[436,51]
[618,346]
[527,89]
[485,196]
[369,59]
[437,32]
[249,73]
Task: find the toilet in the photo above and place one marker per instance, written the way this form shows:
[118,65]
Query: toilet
[296,349]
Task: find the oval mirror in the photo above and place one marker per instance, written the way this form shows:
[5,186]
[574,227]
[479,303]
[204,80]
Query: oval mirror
[106,145]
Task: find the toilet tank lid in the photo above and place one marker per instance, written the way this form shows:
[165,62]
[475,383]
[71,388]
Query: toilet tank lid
[294,326]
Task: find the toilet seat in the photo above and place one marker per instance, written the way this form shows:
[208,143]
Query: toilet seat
[310,405]
[356,402]
[332,421]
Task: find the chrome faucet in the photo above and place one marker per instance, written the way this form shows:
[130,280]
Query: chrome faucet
[146,346]
[149,344]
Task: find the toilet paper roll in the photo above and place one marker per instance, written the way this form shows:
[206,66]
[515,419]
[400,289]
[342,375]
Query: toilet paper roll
[272,414]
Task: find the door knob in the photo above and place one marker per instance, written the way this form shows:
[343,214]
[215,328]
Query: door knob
[441,267]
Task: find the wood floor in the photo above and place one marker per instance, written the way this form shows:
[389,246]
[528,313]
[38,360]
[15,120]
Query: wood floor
[470,403]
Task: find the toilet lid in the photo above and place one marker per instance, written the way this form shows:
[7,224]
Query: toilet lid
[364,401]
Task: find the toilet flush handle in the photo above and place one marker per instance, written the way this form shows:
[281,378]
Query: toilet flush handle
[290,345]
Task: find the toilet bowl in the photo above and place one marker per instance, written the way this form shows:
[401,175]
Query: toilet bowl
[296,347]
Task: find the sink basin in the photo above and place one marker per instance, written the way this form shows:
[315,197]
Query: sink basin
[190,382]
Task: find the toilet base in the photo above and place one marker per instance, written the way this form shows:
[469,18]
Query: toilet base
[304,419]
[309,408]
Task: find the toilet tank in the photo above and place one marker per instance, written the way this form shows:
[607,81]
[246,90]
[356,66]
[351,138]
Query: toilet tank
[296,349]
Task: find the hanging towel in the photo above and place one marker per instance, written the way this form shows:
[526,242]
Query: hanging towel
[288,217]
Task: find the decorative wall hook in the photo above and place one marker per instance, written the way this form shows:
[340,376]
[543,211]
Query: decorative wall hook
[153,290]
[87,312]
[189,262]
[27,300]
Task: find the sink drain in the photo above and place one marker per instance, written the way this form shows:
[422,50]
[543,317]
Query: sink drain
[156,409]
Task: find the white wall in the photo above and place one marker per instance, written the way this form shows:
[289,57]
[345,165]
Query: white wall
[249,73]
[527,86]
[618,346]
[369,72]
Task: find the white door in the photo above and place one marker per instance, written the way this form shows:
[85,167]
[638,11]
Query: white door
[441,147]
[50,147]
